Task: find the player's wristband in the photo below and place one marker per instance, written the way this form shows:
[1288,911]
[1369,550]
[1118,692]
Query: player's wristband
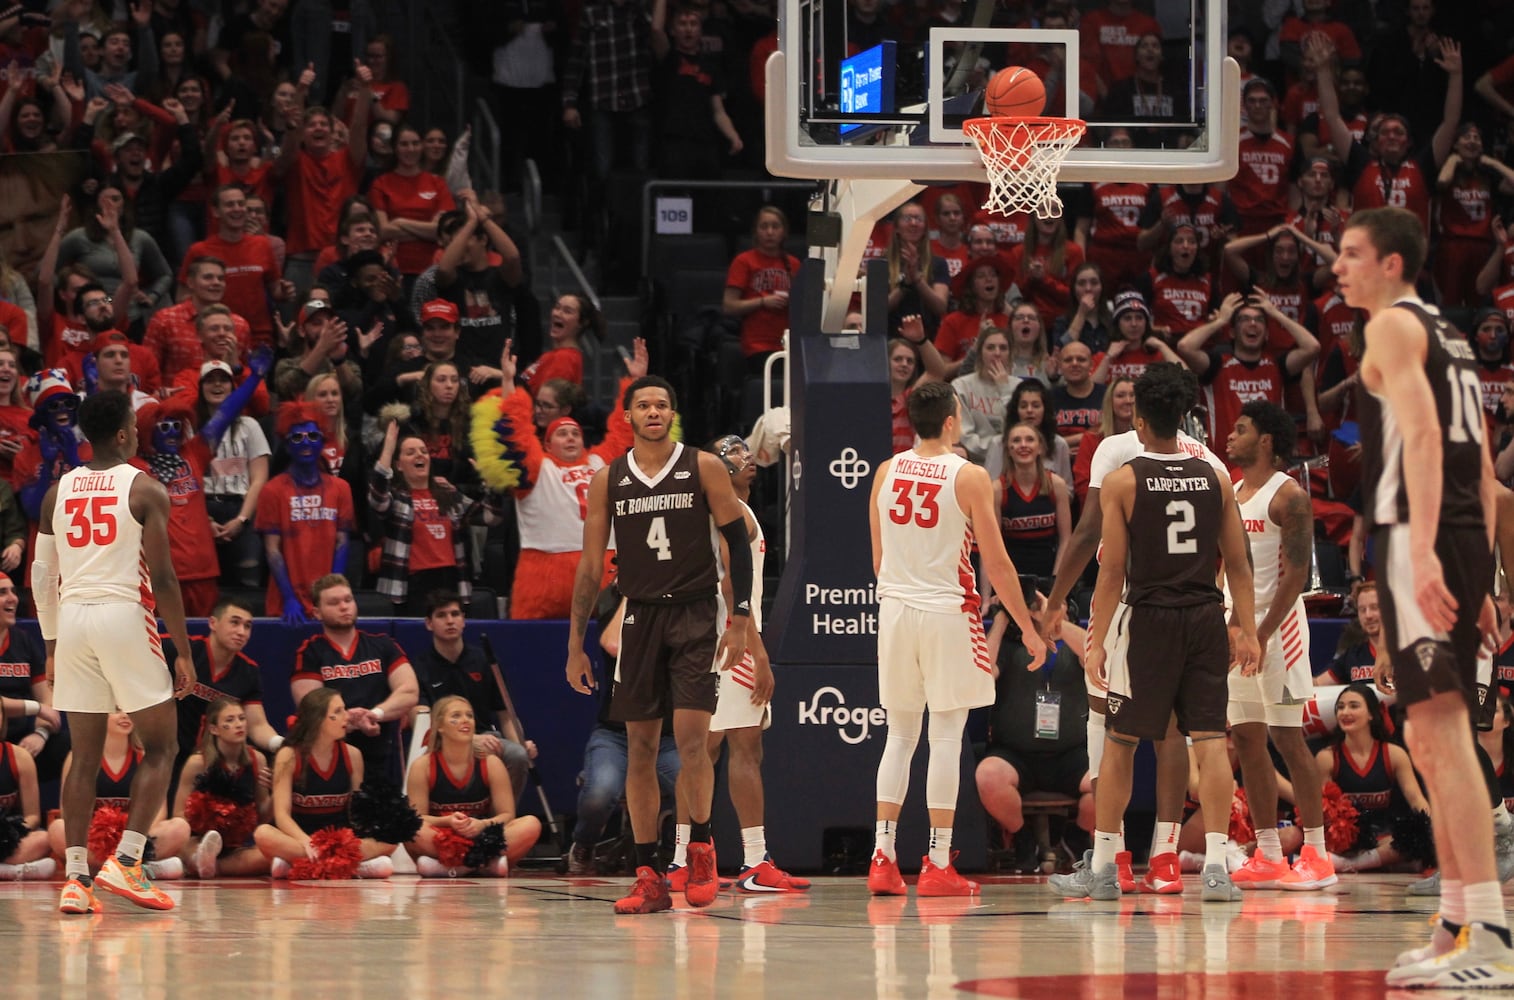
[274,742]
[378,713]
[43,732]
[29,707]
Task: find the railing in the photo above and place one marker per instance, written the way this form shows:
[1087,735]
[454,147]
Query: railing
[648,221]
[530,186]
[562,256]
[485,165]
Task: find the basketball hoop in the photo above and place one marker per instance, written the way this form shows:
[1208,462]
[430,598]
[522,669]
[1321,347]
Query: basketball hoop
[1023,157]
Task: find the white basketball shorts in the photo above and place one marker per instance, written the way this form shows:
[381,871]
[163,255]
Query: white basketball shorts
[734,708]
[1277,693]
[931,659]
[109,658]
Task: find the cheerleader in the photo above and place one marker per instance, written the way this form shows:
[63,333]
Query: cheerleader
[455,790]
[314,776]
[24,847]
[1368,770]
[232,769]
[118,765]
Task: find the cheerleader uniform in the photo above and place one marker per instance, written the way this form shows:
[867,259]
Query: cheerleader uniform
[449,794]
[321,801]
[113,788]
[1370,789]
[1029,525]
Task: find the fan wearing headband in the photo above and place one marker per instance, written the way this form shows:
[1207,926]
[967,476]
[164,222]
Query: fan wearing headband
[550,480]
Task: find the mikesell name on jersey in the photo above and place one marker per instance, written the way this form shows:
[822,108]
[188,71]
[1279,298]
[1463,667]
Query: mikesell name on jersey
[660,501]
[925,470]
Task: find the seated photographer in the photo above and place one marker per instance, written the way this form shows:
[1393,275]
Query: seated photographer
[1037,737]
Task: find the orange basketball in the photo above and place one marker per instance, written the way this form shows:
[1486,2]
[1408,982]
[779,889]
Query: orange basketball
[1014,92]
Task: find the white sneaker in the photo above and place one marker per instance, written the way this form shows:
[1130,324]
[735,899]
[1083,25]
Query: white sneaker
[1441,941]
[498,868]
[207,853]
[432,868]
[31,871]
[166,870]
[1480,960]
[381,867]
[39,871]
[279,868]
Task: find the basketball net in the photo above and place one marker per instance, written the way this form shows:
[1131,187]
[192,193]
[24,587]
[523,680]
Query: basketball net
[1022,157]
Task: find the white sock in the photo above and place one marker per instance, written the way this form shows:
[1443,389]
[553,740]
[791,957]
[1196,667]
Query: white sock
[133,845]
[1453,902]
[1271,846]
[883,837]
[1164,838]
[1501,817]
[76,861]
[1214,849]
[1314,836]
[10,871]
[681,845]
[1484,903]
[1105,847]
[754,845]
[941,846]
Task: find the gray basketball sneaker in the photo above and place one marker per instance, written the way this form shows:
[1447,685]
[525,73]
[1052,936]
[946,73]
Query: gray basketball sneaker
[1075,882]
[1217,886]
[1427,886]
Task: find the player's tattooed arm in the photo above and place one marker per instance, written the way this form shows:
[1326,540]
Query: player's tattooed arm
[1298,530]
[1294,513]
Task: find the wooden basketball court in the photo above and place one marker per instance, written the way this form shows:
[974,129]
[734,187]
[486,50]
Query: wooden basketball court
[539,936]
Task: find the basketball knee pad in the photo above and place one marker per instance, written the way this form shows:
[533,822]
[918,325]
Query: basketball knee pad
[898,749]
[1095,743]
[943,772]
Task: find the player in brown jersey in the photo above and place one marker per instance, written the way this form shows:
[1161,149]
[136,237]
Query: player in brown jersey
[1172,652]
[1421,411]
[660,499]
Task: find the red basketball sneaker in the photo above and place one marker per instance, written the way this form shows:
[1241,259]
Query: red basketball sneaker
[883,878]
[1124,872]
[649,894]
[1162,875]
[943,881]
[704,883]
[1259,873]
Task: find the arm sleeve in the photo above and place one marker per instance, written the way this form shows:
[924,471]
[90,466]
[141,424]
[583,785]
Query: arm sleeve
[45,585]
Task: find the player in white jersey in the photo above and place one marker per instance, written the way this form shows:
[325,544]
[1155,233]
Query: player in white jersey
[927,507]
[1162,875]
[103,533]
[744,708]
[1279,520]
